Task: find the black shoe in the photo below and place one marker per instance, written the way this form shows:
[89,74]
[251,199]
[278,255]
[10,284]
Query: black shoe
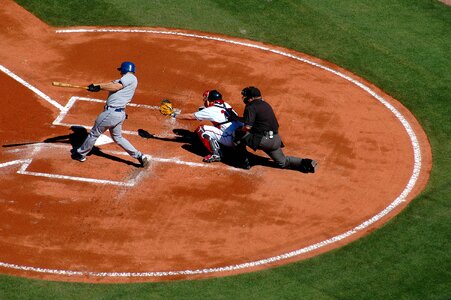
[245,164]
[314,166]
[77,156]
[143,160]
[309,165]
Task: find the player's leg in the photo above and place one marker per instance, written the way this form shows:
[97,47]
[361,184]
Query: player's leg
[209,136]
[241,156]
[116,135]
[272,147]
[100,126]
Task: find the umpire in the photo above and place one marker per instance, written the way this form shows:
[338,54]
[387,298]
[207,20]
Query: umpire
[261,131]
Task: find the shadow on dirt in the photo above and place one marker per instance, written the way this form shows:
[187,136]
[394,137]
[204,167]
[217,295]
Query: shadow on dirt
[76,139]
[192,144]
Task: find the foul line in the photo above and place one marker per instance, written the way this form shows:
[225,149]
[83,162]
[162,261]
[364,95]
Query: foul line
[29,86]
[401,198]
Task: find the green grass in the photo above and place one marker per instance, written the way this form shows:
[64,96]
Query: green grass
[401,46]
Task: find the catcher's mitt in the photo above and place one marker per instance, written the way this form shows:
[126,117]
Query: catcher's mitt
[166,108]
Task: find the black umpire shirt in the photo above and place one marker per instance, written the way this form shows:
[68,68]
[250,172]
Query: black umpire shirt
[260,115]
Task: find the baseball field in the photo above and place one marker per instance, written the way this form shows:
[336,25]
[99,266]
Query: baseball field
[364,87]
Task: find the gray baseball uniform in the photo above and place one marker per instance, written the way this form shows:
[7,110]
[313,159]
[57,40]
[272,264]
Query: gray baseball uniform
[112,118]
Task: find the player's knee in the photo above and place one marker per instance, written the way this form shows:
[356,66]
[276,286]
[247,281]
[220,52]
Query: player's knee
[95,132]
[200,131]
[204,138]
[117,138]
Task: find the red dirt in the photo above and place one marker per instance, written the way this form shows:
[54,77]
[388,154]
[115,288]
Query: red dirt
[180,217]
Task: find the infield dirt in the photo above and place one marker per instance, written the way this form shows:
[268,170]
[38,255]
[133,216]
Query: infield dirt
[180,214]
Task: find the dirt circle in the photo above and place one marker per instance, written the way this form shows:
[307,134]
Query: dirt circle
[107,221]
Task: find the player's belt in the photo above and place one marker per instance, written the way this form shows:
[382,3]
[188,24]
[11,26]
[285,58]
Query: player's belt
[115,108]
[269,134]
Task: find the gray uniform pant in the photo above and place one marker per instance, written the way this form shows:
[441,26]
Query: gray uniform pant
[111,120]
[272,147]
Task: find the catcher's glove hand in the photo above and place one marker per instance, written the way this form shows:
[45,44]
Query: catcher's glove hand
[166,108]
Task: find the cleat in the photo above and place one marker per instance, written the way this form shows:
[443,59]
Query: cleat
[78,156]
[143,160]
[245,164]
[211,158]
[314,166]
[310,165]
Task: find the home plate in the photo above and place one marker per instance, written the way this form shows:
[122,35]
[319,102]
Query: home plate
[103,140]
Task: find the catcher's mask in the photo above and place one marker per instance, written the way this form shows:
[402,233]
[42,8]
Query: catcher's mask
[126,67]
[249,93]
[211,97]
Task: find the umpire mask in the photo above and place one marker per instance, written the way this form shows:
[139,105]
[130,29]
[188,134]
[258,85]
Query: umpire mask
[249,93]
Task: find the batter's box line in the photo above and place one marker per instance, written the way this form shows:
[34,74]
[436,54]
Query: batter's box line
[65,110]
[26,163]
[129,183]
[23,171]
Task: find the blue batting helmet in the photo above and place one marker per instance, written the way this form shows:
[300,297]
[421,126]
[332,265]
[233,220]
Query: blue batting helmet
[126,67]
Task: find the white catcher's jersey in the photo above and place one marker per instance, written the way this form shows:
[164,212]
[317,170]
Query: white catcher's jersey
[217,115]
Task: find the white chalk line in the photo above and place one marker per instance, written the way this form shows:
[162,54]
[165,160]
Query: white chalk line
[37,148]
[32,88]
[401,198]
[129,183]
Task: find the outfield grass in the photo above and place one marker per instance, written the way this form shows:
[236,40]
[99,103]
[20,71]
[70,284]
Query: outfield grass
[402,46]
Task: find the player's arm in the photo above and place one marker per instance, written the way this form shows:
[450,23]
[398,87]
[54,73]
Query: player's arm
[187,116]
[111,86]
[247,119]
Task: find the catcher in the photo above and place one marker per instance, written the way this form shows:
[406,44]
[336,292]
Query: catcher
[224,123]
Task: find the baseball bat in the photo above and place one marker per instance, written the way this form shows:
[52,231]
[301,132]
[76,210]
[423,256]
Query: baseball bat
[69,85]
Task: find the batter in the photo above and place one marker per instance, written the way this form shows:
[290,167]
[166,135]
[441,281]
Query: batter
[121,92]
